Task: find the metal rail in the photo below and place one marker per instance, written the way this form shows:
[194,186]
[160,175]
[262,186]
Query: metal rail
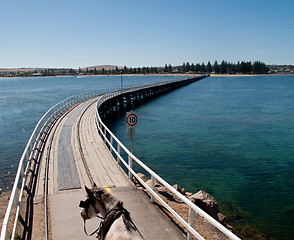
[36,137]
[68,110]
[110,139]
[29,151]
[80,145]
[27,156]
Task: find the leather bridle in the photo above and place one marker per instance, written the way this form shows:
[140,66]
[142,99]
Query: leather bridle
[107,221]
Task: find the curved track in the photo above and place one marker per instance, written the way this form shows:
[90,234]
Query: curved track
[94,163]
[87,154]
[49,154]
[48,158]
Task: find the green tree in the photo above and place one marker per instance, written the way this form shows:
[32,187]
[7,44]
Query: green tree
[245,67]
[188,67]
[209,67]
[197,68]
[259,68]
[192,67]
[116,70]
[203,68]
[125,71]
[165,68]
[170,69]
[223,67]
[184,68]
[215,67]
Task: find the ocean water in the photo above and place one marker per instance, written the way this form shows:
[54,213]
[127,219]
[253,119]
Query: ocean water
[230,136]
[23,101]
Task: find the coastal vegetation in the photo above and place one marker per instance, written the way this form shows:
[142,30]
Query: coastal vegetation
[224,67]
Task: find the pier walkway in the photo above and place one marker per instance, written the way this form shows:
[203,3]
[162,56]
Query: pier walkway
[68,176]
[70,148]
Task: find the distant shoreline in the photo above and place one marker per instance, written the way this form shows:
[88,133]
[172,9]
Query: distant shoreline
[159,74]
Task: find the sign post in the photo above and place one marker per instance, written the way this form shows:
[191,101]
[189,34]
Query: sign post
[131,120]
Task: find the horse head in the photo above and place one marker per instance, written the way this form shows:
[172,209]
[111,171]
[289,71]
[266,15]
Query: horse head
[98,200]
[116,221]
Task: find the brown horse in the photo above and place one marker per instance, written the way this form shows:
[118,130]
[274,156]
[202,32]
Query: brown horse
[116,221]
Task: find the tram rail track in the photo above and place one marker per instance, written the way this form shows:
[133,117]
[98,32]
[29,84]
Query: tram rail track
[49,148]
[80,145]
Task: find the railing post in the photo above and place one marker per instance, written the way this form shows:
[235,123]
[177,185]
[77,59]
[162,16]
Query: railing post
[118,151]
[31,145]
[34,141]
[111,143]
[22,170]
[152,187]
[104,135]
[190,222]
[131,166]
[27,155]
[51,115]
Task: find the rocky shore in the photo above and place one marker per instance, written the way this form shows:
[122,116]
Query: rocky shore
[202,199]
[208,204]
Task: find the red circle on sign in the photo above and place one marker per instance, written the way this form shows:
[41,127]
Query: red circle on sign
[132,120]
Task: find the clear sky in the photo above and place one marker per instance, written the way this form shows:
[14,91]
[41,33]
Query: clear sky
[135,33]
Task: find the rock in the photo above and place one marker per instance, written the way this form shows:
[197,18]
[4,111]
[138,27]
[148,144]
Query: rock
[142,176]
[206,202]
[157,184]
[178,188]
[221,218]
[148,182]
[189,194]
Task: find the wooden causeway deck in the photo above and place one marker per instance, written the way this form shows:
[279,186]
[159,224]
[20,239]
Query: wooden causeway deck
[67,178]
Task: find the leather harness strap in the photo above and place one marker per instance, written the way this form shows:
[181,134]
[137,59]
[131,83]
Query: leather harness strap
[110,218]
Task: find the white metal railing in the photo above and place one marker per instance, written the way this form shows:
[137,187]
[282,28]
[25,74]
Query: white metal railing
[111,140]
[34,139]
[29,151]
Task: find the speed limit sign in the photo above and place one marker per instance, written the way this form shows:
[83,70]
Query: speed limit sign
[131,119]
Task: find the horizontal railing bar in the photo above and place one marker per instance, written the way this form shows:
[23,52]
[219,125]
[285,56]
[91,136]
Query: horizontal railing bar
[202,213]
[153,193]
[31,146]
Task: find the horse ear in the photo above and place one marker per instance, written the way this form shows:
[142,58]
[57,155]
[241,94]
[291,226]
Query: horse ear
[88,190]
[120,204]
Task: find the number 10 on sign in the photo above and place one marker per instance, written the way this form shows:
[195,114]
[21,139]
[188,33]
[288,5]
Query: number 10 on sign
[131,120]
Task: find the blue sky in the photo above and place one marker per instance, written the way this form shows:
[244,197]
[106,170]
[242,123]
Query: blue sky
[71,33]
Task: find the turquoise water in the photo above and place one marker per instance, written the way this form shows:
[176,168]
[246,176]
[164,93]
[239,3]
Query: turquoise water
[231,136]
[23,101]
